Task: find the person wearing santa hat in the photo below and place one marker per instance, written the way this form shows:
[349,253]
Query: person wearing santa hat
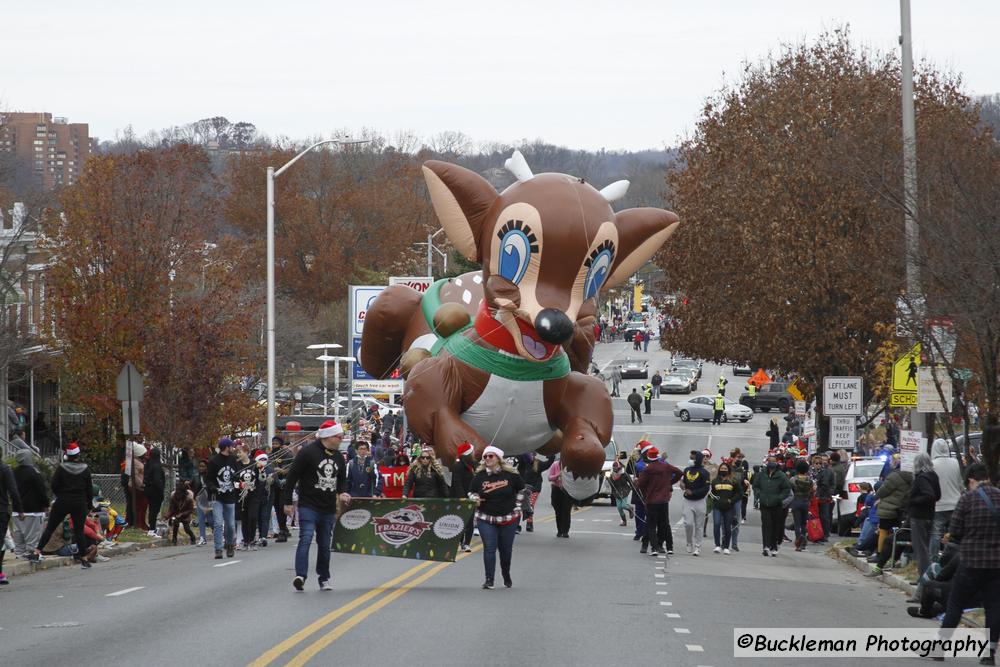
[498,491]
[74,491]
[319,473]
[461,482]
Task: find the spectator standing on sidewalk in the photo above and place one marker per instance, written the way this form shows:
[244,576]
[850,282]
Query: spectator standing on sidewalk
[220,479]
[74,491]
[203,506]
[9,499]
[135,490]
[27,528]
[893,499]
[695,482]
[154,484]
[949,473]
[771,487]
[319,475]
[924,494]
[975,525]
[826,483]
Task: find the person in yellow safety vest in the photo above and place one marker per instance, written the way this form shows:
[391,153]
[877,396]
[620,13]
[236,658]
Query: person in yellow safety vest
[721,385]
[752,391]
[647,395]
[720,408]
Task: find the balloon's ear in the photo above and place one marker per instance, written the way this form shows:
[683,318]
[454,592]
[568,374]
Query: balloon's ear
[461,200]
[641,232]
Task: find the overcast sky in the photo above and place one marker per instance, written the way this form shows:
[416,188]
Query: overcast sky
[585,74]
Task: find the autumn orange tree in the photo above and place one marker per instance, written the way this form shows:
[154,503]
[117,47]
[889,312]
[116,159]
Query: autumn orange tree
[784,255]
[133,279]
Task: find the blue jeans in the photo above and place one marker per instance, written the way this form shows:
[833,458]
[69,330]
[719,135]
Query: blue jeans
[868,539]
[223,512]
[203,518]
[939,528]
[722,526]
[321,524]
[494,536]
[264,518]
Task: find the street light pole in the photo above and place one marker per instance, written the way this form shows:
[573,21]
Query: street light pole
[271,175]
[325,358]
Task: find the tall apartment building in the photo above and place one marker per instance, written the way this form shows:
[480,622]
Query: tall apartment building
[51,149]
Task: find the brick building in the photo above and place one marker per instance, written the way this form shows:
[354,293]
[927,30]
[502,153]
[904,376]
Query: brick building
[51,150]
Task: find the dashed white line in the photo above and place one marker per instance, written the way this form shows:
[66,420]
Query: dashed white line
[232,562]
[661,592]
[666,604]
[682,631]
[125,591]
[671,615]
[695,648]
[659,576]
[661,583]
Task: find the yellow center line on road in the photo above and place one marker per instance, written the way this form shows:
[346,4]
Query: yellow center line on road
[310,652]
[320,623]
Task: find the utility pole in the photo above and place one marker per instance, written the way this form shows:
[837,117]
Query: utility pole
[912,229]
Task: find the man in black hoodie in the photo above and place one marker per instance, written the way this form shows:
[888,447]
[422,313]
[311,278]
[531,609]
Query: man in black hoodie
[154,483]
[74,492]
[220,480]
[27,528]
[8,488]
[320,473]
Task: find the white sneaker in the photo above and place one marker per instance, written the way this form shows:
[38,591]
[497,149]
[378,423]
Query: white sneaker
[766,552]
[718,550]
[325,586]
[201,542]
[696,552]
[466,548]
[725,552]
[153,533]
[689,548]
[102,559]
[743,521]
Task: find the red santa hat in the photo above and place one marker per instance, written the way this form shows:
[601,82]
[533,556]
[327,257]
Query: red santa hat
[651,452]
[464,449]
[260,457]
[73,449]
[645,446]
[329,429]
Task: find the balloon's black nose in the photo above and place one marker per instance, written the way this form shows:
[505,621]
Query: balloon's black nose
[553,326]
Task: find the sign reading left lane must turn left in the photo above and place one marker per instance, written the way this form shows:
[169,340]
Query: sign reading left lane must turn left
[843,396]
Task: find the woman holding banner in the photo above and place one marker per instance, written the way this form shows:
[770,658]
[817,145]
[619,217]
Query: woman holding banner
[498,491]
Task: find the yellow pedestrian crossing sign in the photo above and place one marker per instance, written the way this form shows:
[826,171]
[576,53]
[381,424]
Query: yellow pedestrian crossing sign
[905,371]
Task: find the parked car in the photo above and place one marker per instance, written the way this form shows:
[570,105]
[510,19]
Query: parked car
[742,369]
[772,396]
[861,469]
[679,383]
[702,407]
[635,368]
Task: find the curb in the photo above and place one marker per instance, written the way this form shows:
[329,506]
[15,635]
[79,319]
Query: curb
[21,567]
[888,578]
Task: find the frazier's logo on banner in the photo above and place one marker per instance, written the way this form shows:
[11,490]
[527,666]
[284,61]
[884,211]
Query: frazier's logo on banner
[401,525]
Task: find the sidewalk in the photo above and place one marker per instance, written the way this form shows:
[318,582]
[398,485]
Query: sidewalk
[19,567]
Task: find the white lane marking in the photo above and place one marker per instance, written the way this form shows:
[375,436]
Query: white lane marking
[682,631]
[661,583]
[661,592]
[125,591]
[695,648]
[601,520]
[666,604]
[709,442]
[232,562]
[671,615]
[601,532]
[659,576]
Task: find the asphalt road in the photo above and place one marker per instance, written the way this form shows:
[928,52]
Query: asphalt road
[589,600]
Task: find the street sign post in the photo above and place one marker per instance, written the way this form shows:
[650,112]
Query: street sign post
[842,432]
[843,396]
[129,389]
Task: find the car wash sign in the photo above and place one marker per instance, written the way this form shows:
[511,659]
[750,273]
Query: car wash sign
[843,396]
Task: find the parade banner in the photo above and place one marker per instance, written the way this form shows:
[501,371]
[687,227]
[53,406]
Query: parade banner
[393,480]
[418,528]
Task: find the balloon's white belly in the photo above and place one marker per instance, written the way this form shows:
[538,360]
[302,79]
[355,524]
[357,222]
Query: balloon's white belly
[511,415]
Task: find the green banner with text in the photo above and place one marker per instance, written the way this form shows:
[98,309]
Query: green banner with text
[418,528]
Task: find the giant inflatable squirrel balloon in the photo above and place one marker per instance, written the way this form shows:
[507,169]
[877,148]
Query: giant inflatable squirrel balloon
[499,356]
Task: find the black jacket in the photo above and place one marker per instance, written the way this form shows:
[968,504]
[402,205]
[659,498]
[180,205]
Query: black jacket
[71,483]
[531,476]
[773,436]
[637,399]
[320,475]
[826,482]
[924,494]
[154,481]
[461,480]
[498,492]
[428,485]
[8,488]
[31,487]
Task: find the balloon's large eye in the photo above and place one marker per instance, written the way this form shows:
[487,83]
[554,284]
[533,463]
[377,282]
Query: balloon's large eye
[598,268]
[516,245]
